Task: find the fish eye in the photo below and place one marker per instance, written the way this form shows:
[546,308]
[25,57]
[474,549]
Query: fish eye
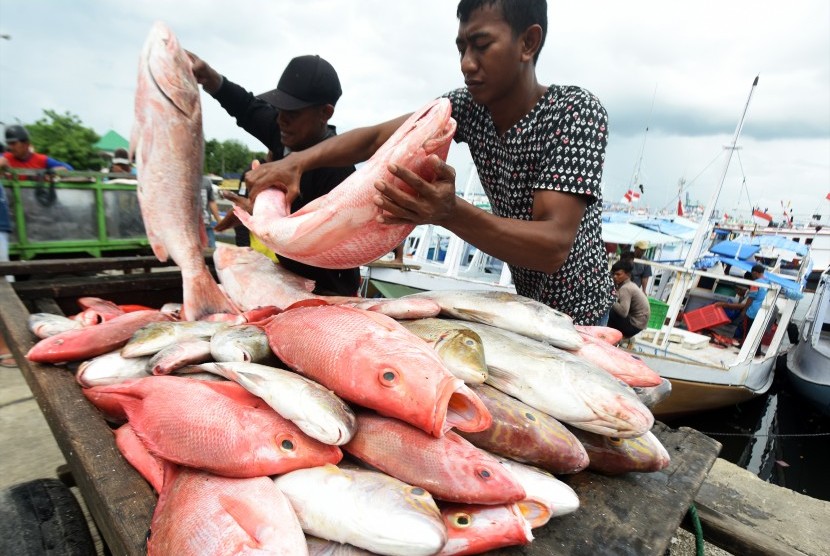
[530,416]
[417,491]
[469,342]
[462,520]
[287,444]
[613,440]
[484,473]
[389,377]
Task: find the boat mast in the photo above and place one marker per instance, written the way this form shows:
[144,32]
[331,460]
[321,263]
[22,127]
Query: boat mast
[702,230]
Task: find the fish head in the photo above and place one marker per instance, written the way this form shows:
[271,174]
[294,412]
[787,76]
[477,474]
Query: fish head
[473,528]
[171,70]
[463,353]
[413,371]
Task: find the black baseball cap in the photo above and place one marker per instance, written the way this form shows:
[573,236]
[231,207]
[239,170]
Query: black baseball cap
[307,81]
[15,133]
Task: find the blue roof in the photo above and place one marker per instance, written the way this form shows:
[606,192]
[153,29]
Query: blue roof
[667,227]
[734,249]
[781,243]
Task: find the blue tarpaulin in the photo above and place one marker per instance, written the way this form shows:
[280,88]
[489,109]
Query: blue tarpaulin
[791,288]
[734,249]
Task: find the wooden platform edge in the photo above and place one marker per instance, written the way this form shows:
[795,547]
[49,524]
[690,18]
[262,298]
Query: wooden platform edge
[119,499]
[733,536]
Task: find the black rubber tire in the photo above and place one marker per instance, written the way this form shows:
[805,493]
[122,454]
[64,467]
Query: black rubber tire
[43,518]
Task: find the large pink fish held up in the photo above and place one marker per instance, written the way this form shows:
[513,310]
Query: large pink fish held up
[169,149]
[340,229]
[370,359]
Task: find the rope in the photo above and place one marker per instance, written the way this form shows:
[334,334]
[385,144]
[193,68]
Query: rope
[762,435]
[698,530]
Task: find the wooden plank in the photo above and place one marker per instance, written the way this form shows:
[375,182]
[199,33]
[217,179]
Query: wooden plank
[71,266]
[119,499]
[101,286]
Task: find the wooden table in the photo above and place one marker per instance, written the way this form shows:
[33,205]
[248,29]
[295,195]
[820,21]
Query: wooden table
[634,514]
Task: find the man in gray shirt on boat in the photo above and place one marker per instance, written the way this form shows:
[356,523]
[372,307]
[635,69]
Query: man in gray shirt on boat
[631,311]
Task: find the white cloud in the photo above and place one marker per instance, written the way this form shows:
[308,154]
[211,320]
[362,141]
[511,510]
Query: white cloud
[683,70]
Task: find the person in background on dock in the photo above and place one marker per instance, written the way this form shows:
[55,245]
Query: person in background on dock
[631,311]
[640,273]
[539,151]
[121,163]
[288,120]
[748,306]
[21,156]
[210,210]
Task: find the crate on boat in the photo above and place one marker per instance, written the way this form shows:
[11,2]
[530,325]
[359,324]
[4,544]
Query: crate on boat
[707,316]
[659,310]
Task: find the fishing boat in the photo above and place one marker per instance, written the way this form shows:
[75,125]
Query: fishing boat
[808,362]
[689,342]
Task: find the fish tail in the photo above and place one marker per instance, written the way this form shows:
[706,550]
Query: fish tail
[202,297]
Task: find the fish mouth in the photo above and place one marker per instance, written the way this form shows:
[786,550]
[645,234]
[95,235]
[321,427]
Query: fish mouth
[458,406]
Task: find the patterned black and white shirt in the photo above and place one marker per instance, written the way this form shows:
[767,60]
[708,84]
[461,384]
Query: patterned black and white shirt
[558,146]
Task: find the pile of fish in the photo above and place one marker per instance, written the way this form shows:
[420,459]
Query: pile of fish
[272,420]
[332,423]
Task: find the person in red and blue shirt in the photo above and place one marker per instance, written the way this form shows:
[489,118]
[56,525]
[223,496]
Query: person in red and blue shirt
[19,153]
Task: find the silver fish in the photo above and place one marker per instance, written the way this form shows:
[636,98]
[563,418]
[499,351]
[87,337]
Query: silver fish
[111,368]
[317,411]
[45,325]
[561,384]
[246,343]
[508,311]
[458,347]
[151,339]
[367,509]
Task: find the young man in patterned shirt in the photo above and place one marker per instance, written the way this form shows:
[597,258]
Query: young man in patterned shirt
[538,150]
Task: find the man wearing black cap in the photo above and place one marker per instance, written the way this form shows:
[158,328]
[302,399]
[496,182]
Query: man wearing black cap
[292,117]
[19,153]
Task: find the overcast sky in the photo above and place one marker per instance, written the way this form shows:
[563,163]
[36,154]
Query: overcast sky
[682,70]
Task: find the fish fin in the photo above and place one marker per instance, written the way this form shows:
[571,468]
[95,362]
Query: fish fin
[474,316]
[536,513]
[133,449]
[247,512]
[202,297]
[307,303]
[246,219]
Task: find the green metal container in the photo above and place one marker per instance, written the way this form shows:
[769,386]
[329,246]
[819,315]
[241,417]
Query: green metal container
[73,214]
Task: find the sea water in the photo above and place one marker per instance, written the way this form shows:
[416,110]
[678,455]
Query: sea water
[779,437]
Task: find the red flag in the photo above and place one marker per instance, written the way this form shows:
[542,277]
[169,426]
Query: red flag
[679,207]
[761,218]
[629,195]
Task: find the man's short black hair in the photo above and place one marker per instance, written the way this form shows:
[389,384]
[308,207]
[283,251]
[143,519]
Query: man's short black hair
[759,268]
[519,14]
[623,265]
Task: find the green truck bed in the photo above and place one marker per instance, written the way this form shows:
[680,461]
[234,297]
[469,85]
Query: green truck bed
[73,214]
